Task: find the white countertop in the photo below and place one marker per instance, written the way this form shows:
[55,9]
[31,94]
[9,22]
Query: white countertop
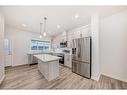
[46,52]
[39,52]
[46,57]
[43,52]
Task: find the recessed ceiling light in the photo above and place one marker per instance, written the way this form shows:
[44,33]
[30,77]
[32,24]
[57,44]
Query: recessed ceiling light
[58,26]
[76,16]
[24,25]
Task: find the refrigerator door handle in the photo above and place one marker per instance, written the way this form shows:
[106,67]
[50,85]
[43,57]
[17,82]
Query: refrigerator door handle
[79,52]
[79,49]
[9,52]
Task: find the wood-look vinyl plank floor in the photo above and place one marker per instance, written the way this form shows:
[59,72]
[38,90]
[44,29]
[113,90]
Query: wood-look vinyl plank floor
[28,77]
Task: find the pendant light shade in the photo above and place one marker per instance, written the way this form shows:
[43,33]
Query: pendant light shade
[44,34]
[40,36]
[40,30]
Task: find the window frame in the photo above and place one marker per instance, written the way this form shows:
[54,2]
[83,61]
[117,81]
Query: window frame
[37,45]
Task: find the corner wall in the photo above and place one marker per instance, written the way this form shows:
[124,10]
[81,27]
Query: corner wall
[113,46]
[2,74]
[21,44]
[95,33]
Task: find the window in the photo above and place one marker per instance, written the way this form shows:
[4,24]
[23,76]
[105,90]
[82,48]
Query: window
[40,45]
[6,44]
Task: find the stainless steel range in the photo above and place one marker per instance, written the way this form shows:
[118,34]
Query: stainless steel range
[62,58]
[60,55]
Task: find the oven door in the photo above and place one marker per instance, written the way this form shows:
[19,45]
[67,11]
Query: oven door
[61,60]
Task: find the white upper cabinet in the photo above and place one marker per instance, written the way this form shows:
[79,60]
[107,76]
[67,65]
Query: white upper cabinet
[64,36]
[78,33]
[68,36]
[85,32]
[59,38]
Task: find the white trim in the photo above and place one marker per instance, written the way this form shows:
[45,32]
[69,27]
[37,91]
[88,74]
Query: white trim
[96,78]
[1,80]
[115,77]
[80,28]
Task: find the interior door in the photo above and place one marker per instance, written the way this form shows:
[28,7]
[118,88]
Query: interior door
[8,52]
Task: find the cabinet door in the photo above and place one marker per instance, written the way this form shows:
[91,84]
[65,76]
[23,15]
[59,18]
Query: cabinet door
[65,60]
[85,32]
[77,34]
[69,42]
[68,61]
[70,38]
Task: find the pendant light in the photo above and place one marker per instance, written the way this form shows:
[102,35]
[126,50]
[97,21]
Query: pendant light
[44,34]
[40,30]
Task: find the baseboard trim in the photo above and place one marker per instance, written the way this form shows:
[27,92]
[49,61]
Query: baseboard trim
[96,78]
[20,65]
[120,79]
[1,80]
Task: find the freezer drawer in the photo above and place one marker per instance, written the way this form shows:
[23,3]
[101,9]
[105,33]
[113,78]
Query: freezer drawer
[81,68]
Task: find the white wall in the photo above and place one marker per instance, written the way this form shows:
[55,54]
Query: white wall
[1,48]
[56,40]
[113,46]
[96,71]
[21,44]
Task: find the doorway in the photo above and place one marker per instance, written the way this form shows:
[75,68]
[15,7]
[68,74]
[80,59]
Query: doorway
[8,52]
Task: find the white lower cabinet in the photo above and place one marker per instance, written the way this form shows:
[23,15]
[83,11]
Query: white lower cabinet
[32,59]
[50,69]
[68,60]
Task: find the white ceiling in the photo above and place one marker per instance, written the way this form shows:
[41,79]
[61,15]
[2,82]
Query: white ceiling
[15,16]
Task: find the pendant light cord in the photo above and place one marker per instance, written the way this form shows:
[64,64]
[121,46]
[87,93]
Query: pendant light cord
[40,28]
[45,24]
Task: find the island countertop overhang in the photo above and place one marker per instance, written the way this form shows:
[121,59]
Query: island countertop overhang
[46,57]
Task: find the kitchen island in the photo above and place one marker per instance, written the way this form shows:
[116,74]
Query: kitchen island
[32,59]
[48,65]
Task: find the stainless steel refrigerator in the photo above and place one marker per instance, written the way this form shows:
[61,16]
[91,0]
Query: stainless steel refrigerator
[81,56]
